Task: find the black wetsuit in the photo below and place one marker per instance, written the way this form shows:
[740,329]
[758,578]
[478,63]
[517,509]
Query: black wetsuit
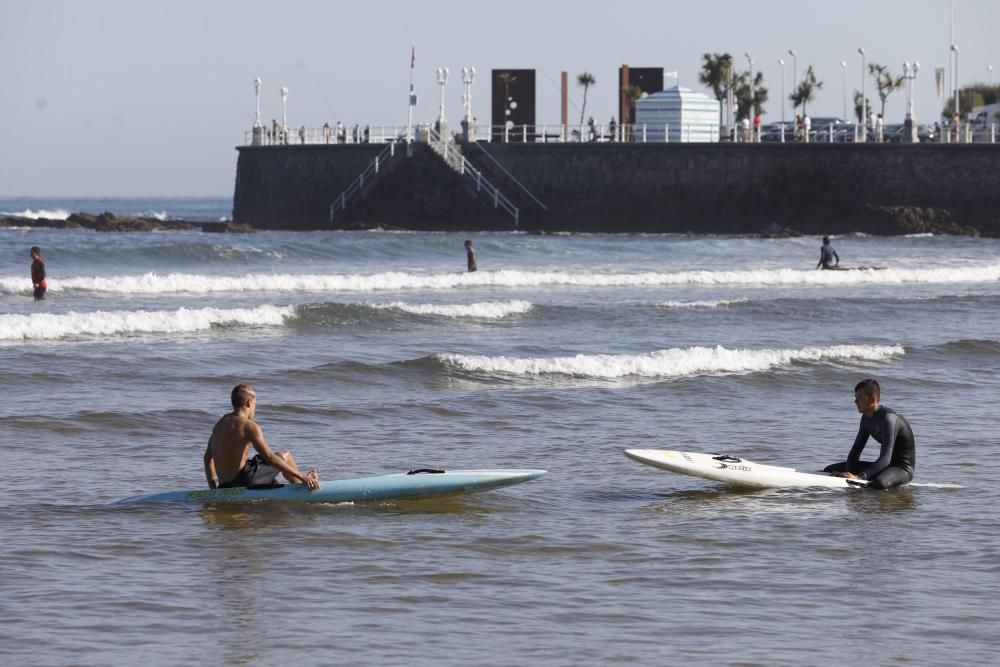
[470,256]
[897,459]
[828,257]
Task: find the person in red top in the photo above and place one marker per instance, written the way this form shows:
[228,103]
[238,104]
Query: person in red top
[38,273]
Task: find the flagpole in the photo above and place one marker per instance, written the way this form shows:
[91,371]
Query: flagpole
[409,118]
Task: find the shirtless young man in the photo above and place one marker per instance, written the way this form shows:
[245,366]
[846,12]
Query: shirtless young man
[232,437]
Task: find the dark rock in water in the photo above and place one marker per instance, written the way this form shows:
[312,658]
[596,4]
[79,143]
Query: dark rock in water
[227,227]
[109,222]
[891,220]
[777,232]
[40,223]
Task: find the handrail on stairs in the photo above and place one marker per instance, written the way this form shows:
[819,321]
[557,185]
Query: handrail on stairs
[461,164]
[358,184]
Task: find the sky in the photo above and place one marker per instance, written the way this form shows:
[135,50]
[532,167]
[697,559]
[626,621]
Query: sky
[141,98]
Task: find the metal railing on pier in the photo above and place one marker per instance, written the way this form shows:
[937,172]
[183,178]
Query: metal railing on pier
[357,186]
[452,155]
[839,132]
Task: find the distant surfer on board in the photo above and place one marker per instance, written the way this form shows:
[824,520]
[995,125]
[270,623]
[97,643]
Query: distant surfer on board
[226,462]
[898,457]
[828,257]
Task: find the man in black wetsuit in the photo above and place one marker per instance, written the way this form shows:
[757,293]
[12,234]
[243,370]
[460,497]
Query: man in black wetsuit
[828,257]
[470,256]
[897,459]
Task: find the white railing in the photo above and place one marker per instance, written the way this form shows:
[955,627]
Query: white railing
[328,135]
[358,184]
[452,155]
[601,133]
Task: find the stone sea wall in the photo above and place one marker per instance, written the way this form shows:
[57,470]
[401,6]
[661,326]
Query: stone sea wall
[699,188]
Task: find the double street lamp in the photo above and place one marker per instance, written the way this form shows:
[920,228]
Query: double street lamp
[442,79]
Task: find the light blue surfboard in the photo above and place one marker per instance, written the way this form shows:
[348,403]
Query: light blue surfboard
[411,485]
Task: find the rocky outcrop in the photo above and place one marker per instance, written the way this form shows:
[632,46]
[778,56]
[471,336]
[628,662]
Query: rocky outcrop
[109,222]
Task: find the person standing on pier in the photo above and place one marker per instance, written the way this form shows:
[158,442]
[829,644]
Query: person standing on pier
[38,273]
[470,256]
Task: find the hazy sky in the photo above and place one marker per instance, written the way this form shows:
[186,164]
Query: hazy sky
[131,98]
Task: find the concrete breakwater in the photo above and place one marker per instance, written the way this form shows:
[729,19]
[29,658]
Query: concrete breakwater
[609,187]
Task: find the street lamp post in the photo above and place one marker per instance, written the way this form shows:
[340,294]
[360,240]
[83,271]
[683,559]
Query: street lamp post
[910,129]
[989,68]
[864,100]
[955,80]
[284,114]
[256,88]
[843,69]
[795,74]
[781,61]
[442,122]
[751,114]
[468,76]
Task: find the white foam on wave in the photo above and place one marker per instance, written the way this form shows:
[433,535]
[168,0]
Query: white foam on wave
[156,283]
[156,215]
[57,214]
[492,310]
[51,326]
[670,363]
[720,303]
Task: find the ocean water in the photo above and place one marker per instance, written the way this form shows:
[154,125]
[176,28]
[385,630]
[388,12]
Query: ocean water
[374,353]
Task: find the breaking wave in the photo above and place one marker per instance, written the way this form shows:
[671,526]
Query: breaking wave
[670,363]
[484,310]
[46,326]
[155,283]
[56,214]
[721,303]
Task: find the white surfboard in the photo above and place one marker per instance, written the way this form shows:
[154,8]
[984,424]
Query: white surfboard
[736,471]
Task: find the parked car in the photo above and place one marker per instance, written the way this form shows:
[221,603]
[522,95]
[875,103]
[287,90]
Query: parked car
[772,132]
[894,133]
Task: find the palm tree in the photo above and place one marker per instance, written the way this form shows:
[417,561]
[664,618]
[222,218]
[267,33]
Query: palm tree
[805,92]
[885,83]
[585,79]
[717,74]
[858,105]
[632,95]
[749,103]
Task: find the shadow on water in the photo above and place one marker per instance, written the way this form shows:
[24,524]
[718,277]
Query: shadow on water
[723,501]
[256,516]
[883,502]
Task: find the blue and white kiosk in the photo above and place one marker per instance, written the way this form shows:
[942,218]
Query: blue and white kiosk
[677,115]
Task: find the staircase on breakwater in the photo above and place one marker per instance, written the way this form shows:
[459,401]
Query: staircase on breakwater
[449,152]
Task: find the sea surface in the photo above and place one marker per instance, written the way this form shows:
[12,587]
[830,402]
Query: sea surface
[374,353]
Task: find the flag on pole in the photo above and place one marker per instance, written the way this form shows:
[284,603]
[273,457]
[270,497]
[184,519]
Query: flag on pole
[413,56]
